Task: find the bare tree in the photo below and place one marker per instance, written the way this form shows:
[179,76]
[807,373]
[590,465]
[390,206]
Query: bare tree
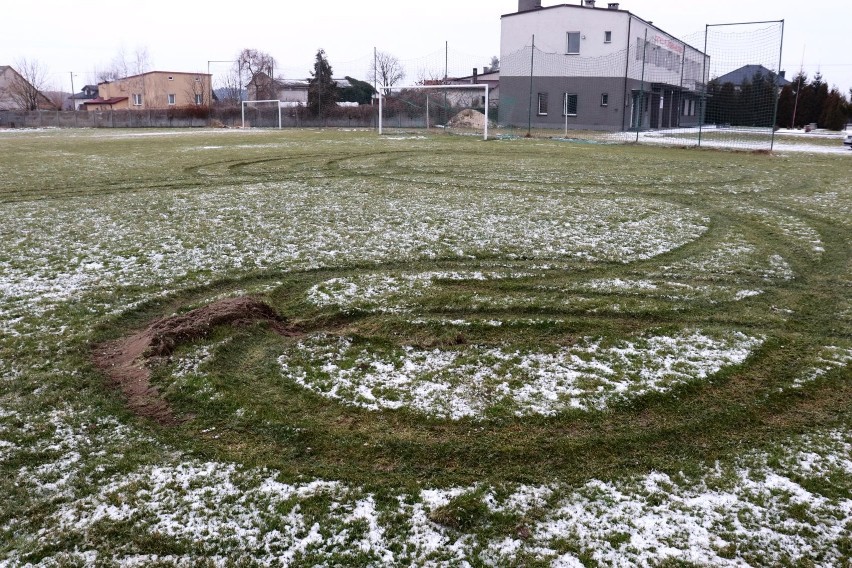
[256,70]
[124,65]
[231,92]
[387,70]
[430,77]
[197,92]
[27,84]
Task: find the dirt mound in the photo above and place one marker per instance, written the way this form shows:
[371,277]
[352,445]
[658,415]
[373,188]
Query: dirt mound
[468,118]
[125,361]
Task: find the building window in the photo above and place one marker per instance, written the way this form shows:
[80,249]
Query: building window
[199,99]
[542,104]
[171,78]
[573,43]
[569,105]
[171,99]
[604,99]
[137,100]
[607,37]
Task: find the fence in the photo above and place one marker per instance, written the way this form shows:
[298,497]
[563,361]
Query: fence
[177,118]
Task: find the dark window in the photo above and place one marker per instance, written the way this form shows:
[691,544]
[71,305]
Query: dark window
[570,105]
[607,37]
[542,104]
[604,99]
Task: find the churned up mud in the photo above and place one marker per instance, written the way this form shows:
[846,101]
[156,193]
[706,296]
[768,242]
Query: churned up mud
[126,361]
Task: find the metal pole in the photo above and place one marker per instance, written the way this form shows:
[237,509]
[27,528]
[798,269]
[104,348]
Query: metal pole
[243,109]
[73,104]
[798,89]
[703,86]
[73,100]
[641,108]
[381,99]
[777,90]
[487,104]
[680,94]
[626,73]
[532,67]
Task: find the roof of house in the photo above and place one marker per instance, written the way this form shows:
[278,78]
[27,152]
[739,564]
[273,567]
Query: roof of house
[159,72]
[109,101]
[747,72]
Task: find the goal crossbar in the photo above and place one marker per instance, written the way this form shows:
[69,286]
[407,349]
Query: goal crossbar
[278,105]
[484,86]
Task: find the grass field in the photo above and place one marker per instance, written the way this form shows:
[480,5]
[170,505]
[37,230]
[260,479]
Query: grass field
[517,352]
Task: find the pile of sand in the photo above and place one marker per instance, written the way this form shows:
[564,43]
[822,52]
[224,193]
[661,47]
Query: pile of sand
[468,118]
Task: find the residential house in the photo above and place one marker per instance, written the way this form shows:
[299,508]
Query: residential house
[290,92]
[87,93]
[16,93]
[153,90]
[748,73]
[596,68]
[476,98]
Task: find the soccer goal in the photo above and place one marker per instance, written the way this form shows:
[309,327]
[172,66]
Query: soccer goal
[457,108]
[261,112]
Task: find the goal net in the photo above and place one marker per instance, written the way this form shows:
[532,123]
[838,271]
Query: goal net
[459,109]
[261,114]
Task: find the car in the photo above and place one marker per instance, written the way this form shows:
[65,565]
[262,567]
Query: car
[847,139]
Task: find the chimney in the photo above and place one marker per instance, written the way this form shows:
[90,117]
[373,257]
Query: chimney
[528,5]
[590,3]
[475,75]
[612,6]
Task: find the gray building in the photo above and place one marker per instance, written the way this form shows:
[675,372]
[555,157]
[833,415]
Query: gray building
[595,68]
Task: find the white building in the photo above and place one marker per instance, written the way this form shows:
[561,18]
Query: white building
[599,68]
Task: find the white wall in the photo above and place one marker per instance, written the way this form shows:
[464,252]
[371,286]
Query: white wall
[550,26]
[596,58]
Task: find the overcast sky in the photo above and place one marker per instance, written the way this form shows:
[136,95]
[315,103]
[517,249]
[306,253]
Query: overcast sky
[183,36]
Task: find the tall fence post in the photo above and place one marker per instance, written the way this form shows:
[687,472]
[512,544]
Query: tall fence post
[777,91]
[641,107]
[702,110]
[532,73]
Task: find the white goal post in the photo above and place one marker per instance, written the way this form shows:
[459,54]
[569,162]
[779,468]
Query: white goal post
[278,105]
[382,89]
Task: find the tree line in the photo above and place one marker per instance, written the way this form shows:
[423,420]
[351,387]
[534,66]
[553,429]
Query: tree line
[800,103]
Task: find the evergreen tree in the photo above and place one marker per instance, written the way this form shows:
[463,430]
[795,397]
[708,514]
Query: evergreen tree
[820,95]
[833,114]
[786,102]
[322,90]
[360,92]
[802,96]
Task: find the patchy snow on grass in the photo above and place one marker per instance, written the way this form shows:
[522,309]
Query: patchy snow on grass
[755,511]
[472,381]
[130,240]
[385,293]
[828,359]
